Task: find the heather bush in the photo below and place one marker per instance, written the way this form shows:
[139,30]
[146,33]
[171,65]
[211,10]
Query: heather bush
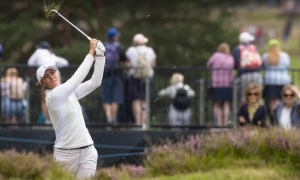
[14,165]
[120,172]
[221,149]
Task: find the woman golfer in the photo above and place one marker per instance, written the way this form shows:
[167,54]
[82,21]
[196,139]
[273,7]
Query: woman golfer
[73,145]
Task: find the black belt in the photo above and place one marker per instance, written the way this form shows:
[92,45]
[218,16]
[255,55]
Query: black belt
[76,148]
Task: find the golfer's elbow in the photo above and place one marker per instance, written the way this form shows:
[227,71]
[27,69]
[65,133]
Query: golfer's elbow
[96,84]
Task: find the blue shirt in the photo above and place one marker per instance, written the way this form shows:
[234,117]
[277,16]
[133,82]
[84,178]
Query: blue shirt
[277,75]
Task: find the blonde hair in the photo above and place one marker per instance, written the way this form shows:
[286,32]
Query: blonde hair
[286,87]
[251,87]
[223,48]
[11,72]
[273,56]
[176,78]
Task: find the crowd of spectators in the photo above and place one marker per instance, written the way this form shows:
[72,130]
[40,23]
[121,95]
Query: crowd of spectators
[280,96]
[280,105]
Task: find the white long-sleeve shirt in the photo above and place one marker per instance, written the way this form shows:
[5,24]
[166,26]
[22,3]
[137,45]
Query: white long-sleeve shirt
[44,56]
[172,90]
[64,109]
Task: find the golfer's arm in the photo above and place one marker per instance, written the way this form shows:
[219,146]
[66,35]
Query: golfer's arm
[62,92]
[90,85]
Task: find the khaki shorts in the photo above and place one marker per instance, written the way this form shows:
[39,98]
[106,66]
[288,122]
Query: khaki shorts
[81,162]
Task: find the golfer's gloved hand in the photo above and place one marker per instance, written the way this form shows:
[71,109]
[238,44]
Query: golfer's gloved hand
[100,49]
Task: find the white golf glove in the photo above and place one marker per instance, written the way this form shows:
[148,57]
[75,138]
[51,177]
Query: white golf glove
[100,49]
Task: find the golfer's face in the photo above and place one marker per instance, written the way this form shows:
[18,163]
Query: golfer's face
[51,79]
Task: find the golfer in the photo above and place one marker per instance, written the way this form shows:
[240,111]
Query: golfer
[73,145]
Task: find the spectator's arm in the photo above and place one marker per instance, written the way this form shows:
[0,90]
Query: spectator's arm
[241,119]
[190,92]
[263,118]
[236,56]
[264,60]
[33,59]
[59,61]
[209,63]
[122,54]
[165,92]
[288,61]
[153,63]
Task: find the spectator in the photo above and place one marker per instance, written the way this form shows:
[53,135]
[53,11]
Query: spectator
[112,85]
[139,54]
[180,111]
[248,71]
[43,55]
[287,113]
[13,90]
[222,64]
[276,75]
[252,112]
[1,52]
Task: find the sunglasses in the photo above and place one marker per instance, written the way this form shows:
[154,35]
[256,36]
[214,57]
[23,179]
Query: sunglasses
[289,95]
[252,94]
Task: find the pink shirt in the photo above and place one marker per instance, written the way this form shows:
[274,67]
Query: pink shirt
[222,66]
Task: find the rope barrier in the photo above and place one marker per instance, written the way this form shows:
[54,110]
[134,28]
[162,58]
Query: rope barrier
[96,145]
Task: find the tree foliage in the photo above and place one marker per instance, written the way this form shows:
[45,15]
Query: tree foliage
[182,33]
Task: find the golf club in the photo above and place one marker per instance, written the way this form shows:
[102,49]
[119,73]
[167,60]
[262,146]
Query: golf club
[72,24]
[89,38]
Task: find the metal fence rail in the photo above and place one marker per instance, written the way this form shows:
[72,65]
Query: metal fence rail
[198,79]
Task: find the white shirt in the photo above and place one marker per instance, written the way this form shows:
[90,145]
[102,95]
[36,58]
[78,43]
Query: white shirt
[285,118]
[133,53]
[172,90]
[64,109]
[44,56]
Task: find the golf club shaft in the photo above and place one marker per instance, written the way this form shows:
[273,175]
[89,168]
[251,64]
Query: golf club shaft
[74,26]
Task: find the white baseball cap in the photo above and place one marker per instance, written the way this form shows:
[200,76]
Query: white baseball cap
[246,37]
[41,71]
[140,39]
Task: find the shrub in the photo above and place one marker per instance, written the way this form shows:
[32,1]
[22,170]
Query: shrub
[14,165]
[216,150]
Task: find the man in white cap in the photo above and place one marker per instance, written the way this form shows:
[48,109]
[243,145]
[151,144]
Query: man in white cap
[43,55]
[139,54]
[247,73]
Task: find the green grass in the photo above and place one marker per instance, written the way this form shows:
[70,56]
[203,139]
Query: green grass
[237,173]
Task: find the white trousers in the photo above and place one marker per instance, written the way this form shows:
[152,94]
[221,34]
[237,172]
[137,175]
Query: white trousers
[81,162]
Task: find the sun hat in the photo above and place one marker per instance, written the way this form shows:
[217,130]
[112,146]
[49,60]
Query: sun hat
[246,37]
[41,71]
[273,43]
[140,39]
[43,45]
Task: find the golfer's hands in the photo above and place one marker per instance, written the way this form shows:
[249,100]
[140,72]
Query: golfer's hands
[93,44]
[100,49]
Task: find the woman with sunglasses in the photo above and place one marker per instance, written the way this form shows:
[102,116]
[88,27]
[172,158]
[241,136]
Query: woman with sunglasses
[286,115]
[252,112]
